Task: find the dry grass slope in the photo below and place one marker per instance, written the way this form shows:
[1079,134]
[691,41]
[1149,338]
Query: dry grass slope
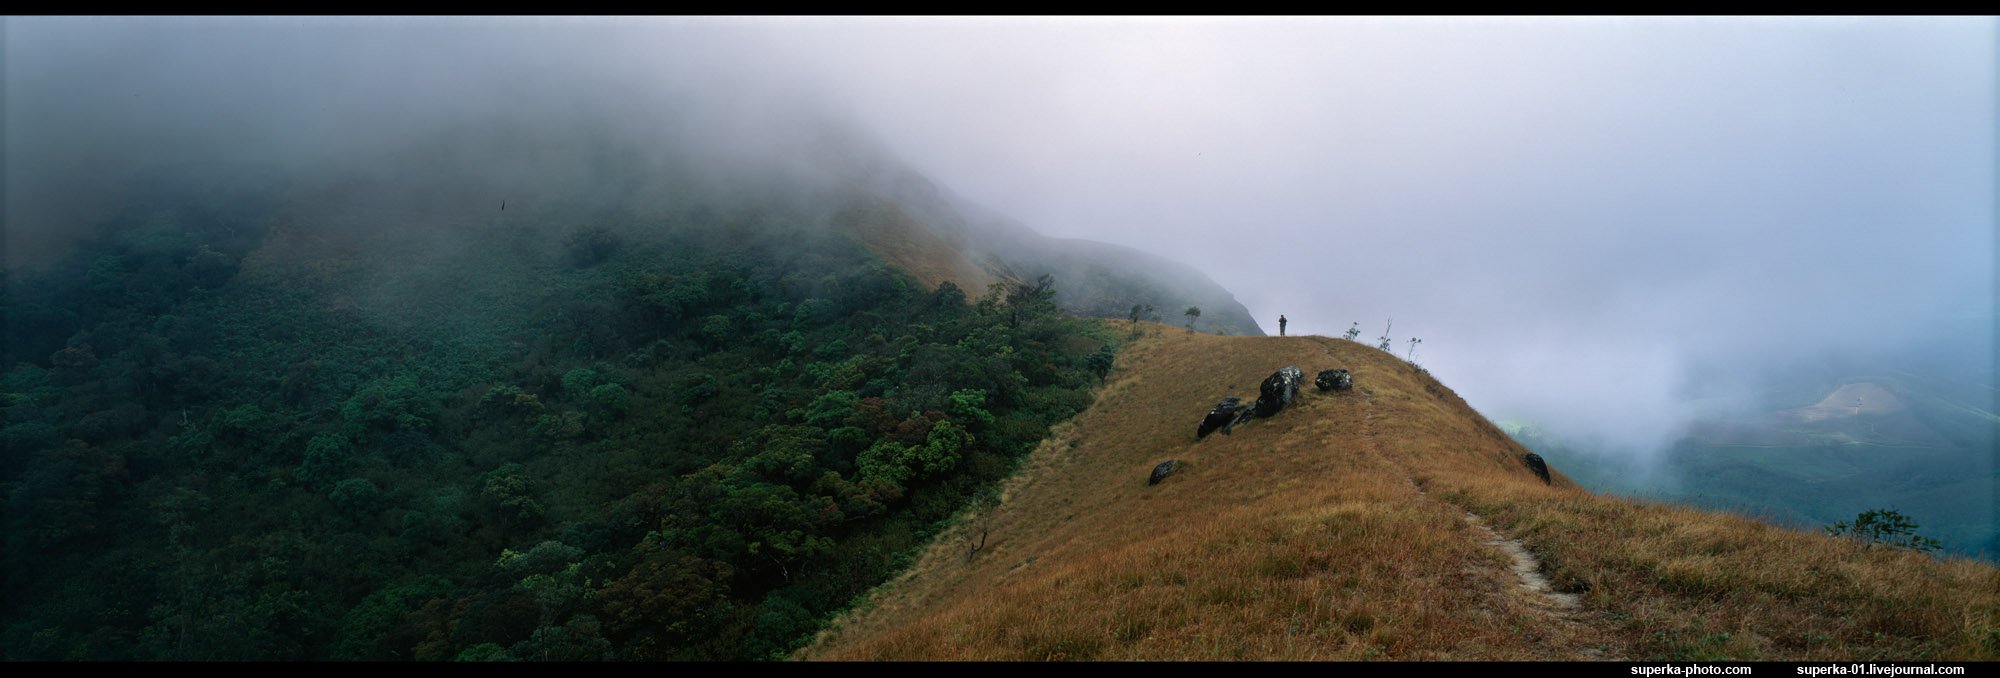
[1337,530]
[909,245]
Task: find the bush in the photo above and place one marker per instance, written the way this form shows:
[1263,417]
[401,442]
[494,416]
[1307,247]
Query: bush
[1884,527]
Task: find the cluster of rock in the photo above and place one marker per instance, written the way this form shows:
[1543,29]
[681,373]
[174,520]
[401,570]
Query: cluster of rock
[1273,396]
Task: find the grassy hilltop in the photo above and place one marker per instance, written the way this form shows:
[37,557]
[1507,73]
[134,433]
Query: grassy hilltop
[1355,526]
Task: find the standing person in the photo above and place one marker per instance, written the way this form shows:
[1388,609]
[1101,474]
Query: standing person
[1281,324]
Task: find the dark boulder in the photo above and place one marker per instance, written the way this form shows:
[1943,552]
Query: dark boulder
[1535,463]
[1245,415]
[1334,380]
[1222,417]
[1278,390]
[1166,468]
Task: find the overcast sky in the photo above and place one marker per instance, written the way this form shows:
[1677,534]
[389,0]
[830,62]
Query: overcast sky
[1574,214]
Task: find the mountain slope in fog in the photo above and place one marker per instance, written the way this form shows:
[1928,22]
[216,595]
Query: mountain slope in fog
[940,236]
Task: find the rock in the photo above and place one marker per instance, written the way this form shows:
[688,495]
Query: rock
[1166,468]
[1222,417]
[1334,380]
[1245,415]
[1275,393]
[1535,463]
[1278,390]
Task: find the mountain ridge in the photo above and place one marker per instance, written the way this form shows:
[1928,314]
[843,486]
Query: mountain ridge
[1338,530]
[972,246]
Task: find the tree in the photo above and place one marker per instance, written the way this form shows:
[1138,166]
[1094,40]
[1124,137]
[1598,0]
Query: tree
[948,297]
[1412,354]
[609,398]
[327,455]
[1353,331]
[1884,527]
[1031,300]
[674,595]
[1140,311]
[507,488]
[1384,343]
[1100,362]
[1193,313]
[577,382]
[389,404]
[986,512]
[901,464]
[355,497]
[969,404]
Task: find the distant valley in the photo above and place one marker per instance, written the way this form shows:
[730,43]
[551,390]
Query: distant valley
[1822,450]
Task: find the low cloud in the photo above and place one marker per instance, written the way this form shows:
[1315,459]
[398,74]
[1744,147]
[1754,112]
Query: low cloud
[1589,222]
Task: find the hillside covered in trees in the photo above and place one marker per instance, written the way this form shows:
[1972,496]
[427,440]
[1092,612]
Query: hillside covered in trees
[434,340]
[263,416]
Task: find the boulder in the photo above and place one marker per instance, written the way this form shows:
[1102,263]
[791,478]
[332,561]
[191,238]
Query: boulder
[1245,415]
[1334,380]
[1223,416]
[1166,468]
[1535,463]
[1278,390]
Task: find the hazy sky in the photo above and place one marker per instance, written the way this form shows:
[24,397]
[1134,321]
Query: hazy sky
[1574,214]
[1571,213]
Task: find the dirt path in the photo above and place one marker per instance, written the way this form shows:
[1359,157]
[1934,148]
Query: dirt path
[1526,566]
[1564,608]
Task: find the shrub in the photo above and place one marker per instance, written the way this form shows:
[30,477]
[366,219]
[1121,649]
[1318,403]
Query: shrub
[1884,527]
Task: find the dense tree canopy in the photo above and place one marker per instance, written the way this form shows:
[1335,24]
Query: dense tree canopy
[615,441]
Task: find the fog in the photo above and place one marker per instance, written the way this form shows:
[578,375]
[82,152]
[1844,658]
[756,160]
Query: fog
[1577,216]
[1588,222]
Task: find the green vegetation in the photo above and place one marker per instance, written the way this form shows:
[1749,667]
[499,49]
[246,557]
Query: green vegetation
[1948,490]
[696,438]
[1885,527]
[1935,466]
[1141,312]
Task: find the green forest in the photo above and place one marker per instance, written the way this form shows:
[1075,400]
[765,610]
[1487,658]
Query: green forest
[693,436]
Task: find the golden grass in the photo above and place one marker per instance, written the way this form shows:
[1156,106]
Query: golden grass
[1336,531]
[928,255]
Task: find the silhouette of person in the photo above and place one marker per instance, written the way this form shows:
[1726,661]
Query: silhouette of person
[1281,324]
